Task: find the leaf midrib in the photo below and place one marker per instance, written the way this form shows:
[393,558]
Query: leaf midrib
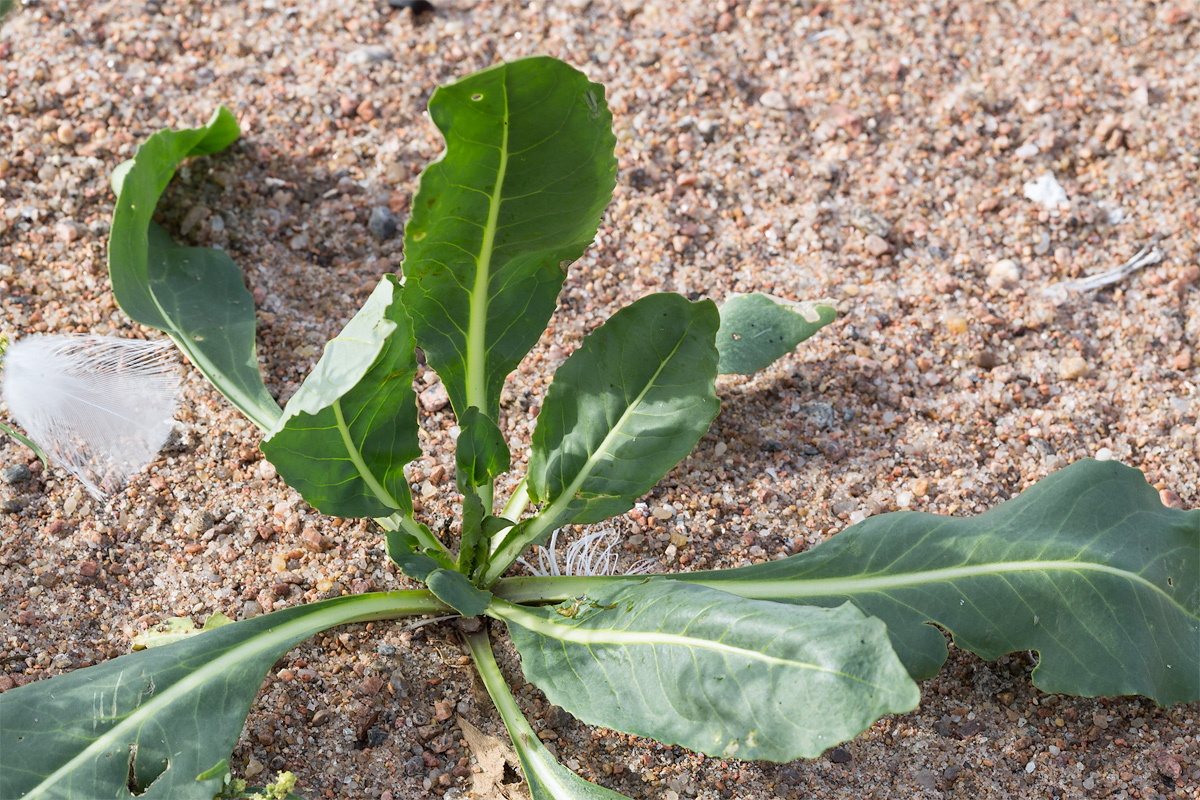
[785,588]
[356,458]
[240,652]
[589,637]
[548,519]
[476,389]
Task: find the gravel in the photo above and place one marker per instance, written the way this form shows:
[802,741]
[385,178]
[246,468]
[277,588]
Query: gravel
[873,153]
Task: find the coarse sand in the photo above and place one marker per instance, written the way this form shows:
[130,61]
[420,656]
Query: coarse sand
[876,153]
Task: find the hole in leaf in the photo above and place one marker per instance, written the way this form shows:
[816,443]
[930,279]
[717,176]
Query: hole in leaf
[476,97]
[142,776]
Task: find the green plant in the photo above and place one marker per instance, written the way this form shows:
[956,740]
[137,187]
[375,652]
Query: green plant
[773,661]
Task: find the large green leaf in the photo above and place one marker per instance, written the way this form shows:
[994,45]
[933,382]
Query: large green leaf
[516,197]
[546,778]
[165,718]
[720,674]
[1087,567]
[195,295]
[346,434]
[757,329]
[623,410]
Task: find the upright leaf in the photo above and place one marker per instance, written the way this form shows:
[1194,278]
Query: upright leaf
[714,672]
[161,718]
[346,434]
[517,196]
[480,452]
[546,778]
[480,455]
[1087,567]
[623,410]
[194,294]
[758,329]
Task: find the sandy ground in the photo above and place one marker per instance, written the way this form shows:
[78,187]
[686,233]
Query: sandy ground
[871,152]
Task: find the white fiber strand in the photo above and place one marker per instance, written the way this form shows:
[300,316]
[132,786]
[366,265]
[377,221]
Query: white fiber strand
[592,554]
[100,407]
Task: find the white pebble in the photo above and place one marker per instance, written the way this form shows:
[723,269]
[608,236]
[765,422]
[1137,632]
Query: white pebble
[1030,767]
[1004,274]
[1104,454]
[1047,191]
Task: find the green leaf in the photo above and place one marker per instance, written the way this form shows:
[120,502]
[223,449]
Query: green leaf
[162,716]
[25,440]
[194,294]
[546,778]
[623,410]
[757,329]
[346,434]
[714,672]
[1087,567]
[456,590]
[517,196]
[415,562]
[480,452]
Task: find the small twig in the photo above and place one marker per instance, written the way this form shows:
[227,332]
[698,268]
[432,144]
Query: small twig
[1147,256]
[433,620]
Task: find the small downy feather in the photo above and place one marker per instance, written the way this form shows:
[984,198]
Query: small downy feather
[99,406]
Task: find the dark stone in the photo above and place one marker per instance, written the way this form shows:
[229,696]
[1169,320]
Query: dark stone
[417,7]
[382,223]
[840,755]
[17,473]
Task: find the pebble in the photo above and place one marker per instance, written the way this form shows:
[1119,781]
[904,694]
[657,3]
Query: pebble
[371,54]
[383,223]
[870,223]
[774,99]
[1104,454]
[195,215]
[435,398]
[664,512]
[1073,367]
[68,230]
[1170,499]
[1004,274]
[945,284]
[877,245]
[1046,191]
[17,473]
[65,133]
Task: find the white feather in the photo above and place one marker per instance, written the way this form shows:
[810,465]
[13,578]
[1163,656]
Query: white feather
[100,407]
